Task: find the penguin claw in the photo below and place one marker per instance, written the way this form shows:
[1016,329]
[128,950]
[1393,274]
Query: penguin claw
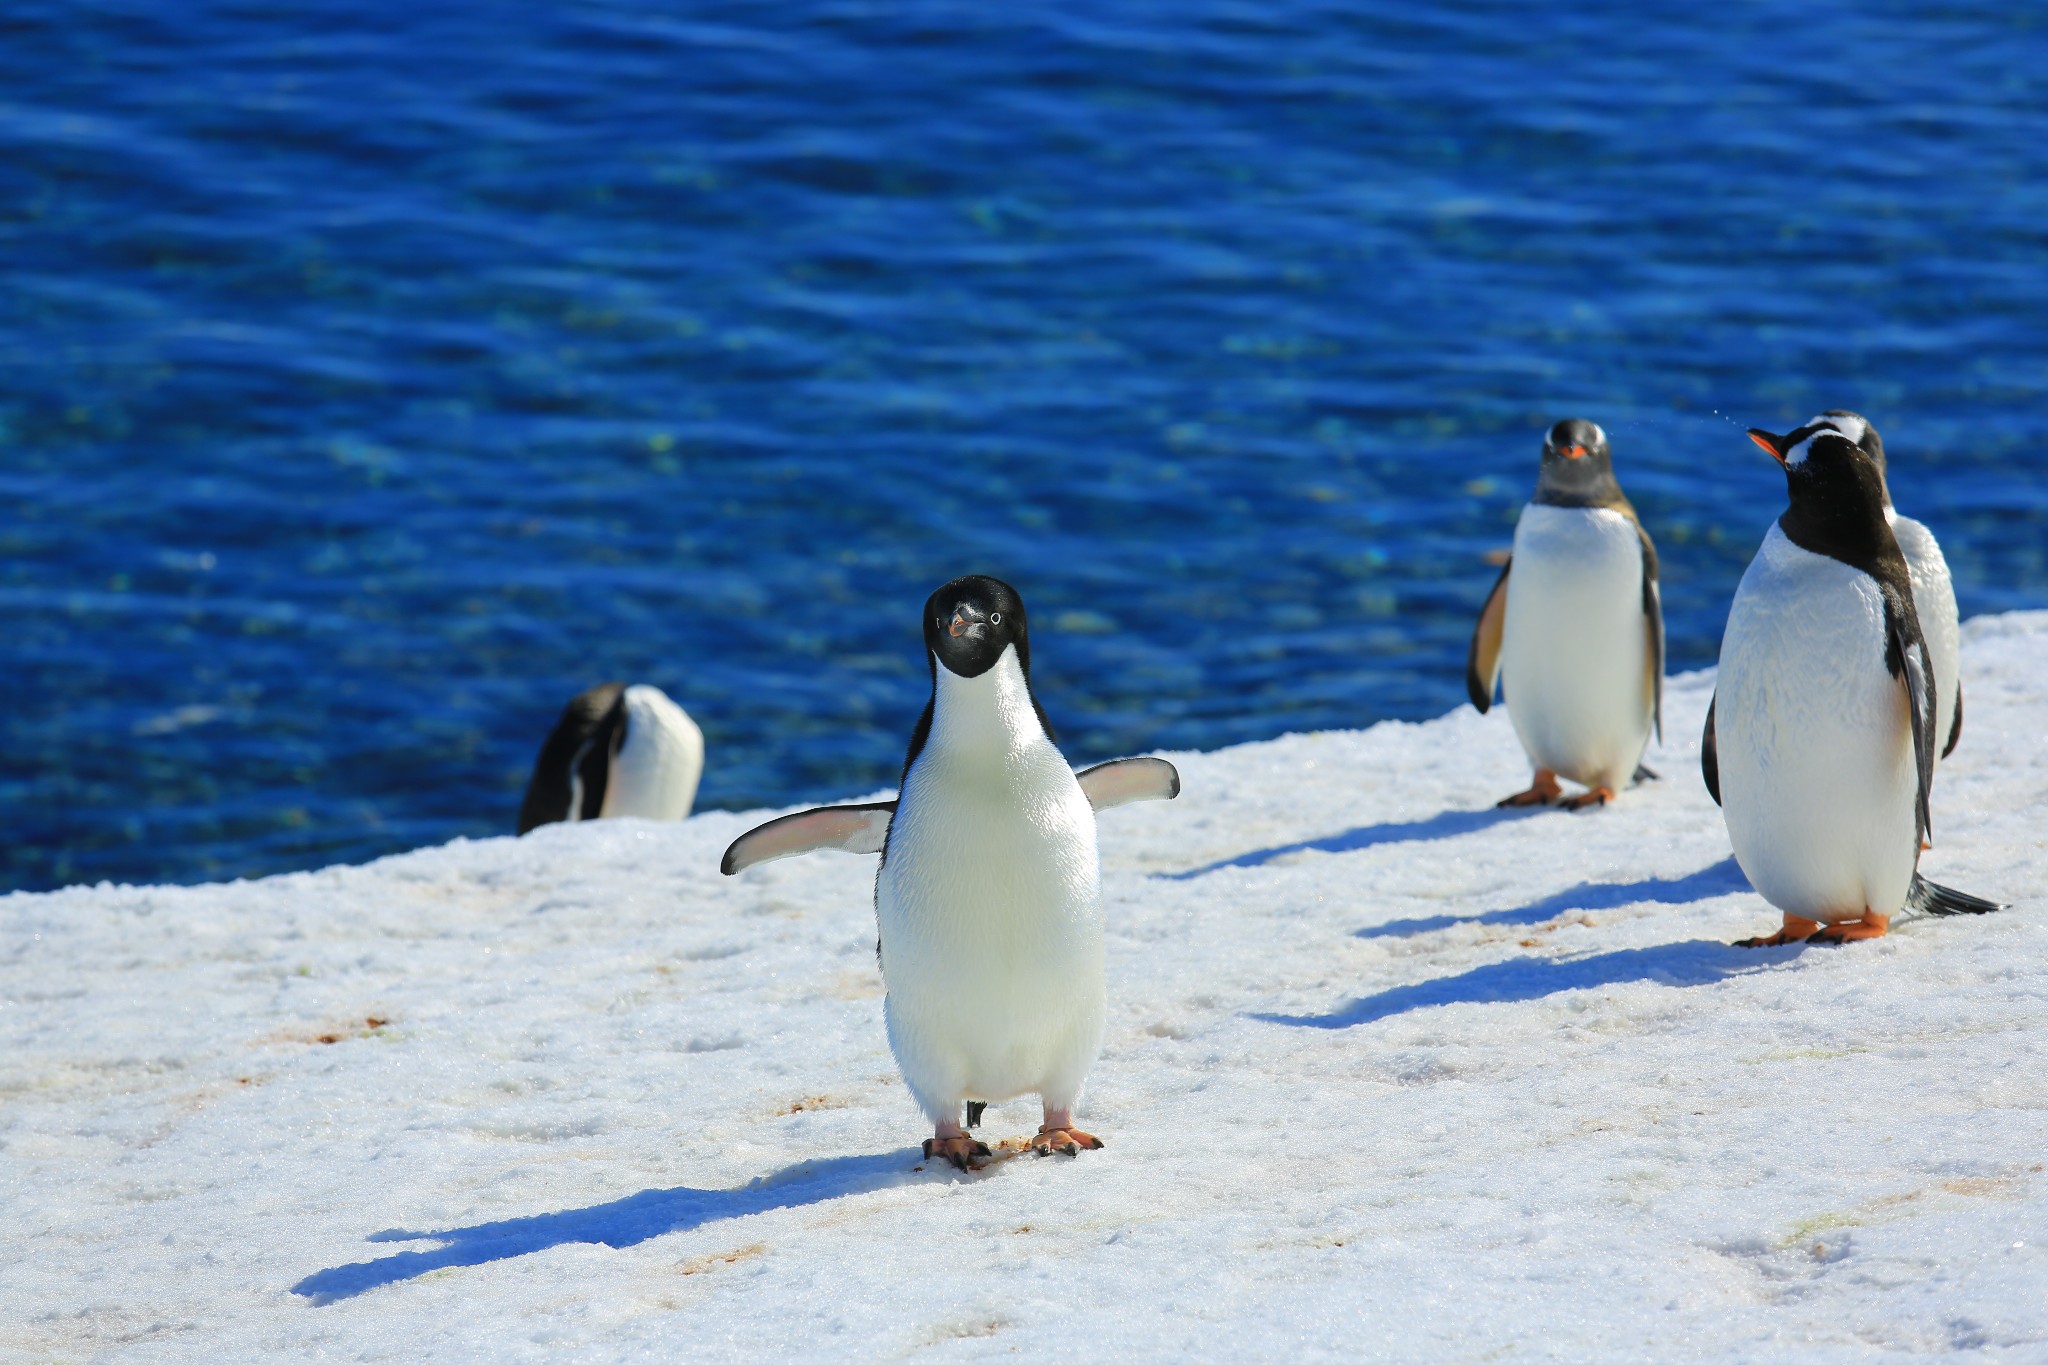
[961,1151]
[1065,1141]
[1543,791]
[1598,796]
[1777,940]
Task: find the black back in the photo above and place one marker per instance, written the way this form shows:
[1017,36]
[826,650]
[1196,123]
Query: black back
[968,623]
[1578,468]
[592,727]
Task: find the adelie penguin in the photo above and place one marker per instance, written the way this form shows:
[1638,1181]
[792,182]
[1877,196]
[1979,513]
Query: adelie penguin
[1573,631]
[616,751]
[1820,740]
[1934,592]
[989,894]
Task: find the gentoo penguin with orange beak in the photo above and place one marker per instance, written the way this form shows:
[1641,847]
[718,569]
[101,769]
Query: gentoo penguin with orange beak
[1821,736]
[989,896]
[1934,592]
[1573,631]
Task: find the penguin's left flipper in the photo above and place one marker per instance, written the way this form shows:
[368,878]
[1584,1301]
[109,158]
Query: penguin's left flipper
[1710,753]
[1653,627]
[1955,729]
[1482,661]
[851,829]
[1905,655]
[1124,780]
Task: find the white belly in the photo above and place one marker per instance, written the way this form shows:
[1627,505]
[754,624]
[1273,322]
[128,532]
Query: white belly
[1934,600]
[1574,644]
[990,908]
[655,773]
[1814,739]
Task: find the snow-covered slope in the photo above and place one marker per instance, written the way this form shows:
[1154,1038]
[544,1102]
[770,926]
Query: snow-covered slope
[1388,1074]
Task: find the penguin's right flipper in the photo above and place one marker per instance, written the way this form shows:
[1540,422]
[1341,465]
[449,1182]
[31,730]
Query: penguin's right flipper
[1482,663]
[1932,898]
[1124,780]
[1710,752]
[852,829]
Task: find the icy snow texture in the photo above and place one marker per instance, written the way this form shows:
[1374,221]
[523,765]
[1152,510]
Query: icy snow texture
[1388,1074]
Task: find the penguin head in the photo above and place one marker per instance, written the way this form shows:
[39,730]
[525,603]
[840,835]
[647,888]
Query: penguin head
[1828,476]
[1857,428]
[1577,468]
[970,621]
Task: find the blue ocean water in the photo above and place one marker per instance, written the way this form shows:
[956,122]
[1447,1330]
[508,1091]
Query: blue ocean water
[375,376]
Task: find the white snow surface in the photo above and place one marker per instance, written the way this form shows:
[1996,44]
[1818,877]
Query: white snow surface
[1388,1075]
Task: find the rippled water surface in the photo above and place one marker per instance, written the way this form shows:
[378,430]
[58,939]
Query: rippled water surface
[373,377]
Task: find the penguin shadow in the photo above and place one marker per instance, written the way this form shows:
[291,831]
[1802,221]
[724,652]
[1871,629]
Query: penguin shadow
[1443,825]
[620,1223]
[1722,879]
[1694,962]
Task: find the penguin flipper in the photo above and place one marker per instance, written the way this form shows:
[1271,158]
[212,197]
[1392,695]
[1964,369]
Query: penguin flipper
[1905,655]
[851,829]
[1653,626]
[1935,899]
[1124,780]
[1482,662]
[1955,728]
[1710,752]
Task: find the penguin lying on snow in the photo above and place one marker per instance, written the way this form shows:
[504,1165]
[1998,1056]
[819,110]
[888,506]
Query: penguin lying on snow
[989,895]
[1573,630]
[616,751]
[1934,592]
[1820,739]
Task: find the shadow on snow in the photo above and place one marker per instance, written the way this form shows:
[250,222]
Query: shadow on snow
[1722,879]
[1442,825]
[1696,962]
[621,1223]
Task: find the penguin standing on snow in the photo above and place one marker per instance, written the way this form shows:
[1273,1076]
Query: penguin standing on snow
[616,751]
[1820,739]
[989,895]
[1934,592]
[1573,631]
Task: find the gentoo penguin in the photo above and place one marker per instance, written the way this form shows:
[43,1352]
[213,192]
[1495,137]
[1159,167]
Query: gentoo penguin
[1934,592]
[989,894]
[1821,735]
[1573,631]
[617,750]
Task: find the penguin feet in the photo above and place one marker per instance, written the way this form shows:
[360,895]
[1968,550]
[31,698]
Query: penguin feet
[1849,931]
[1796,930]
[1597,796]
[1543,791]
[1064,1139]
[950,1142]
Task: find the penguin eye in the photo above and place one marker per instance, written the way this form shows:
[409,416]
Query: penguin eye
[995,618]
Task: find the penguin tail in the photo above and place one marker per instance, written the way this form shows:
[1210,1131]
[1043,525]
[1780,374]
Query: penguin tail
[1646,773]
[1931,898]
[974,1110]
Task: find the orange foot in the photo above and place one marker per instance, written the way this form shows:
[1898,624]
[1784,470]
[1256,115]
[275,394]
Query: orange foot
[1848,931]
[1598,796]
[957,1148]
[1064,1139]
[1796,930]
[1543,790]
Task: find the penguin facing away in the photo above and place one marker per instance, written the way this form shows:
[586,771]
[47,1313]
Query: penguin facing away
[1573,631]
[616,751]
[1822,730]
[1934,591]
[989,894]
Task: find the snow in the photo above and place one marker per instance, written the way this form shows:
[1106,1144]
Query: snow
[1388,1074]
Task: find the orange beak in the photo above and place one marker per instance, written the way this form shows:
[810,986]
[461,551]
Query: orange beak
[1769,443]
[1572,452]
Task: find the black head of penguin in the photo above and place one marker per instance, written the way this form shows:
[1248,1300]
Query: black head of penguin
[970,621]
[1836,494]
[1577,468]
[1858,428]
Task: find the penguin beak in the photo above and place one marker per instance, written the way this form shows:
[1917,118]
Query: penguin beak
[1769,442]
[1572,452]
[968,622]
